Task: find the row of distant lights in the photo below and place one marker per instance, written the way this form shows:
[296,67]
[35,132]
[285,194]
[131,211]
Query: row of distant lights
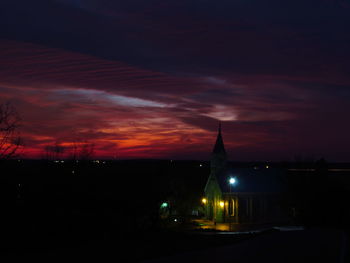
[73,172]
[98,161]
[255,167]
[94,161]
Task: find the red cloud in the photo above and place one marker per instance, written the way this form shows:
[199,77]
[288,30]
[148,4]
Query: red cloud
[133,112]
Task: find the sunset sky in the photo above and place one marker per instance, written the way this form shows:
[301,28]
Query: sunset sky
[153,78]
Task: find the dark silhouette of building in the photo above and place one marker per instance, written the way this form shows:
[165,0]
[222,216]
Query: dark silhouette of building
[242,195]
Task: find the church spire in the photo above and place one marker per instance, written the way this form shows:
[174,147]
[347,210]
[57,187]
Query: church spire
[219,144]
[218,156]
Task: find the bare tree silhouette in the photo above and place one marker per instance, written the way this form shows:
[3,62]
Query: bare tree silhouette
[86,151]
[10,140]
[54,151]
[82,150]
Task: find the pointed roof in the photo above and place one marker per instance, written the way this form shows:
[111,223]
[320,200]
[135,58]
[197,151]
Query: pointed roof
[219,144]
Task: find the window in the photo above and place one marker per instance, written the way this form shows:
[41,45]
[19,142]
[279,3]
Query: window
[231,207]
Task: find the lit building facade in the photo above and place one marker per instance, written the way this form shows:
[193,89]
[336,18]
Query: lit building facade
[242,194]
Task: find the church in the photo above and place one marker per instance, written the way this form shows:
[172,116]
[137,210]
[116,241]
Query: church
[242,195]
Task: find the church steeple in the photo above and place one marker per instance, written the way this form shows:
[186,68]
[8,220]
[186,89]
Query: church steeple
[218,156]
[219,144]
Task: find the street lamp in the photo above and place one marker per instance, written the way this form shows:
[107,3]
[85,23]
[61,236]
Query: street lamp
[164,205]
[231,181]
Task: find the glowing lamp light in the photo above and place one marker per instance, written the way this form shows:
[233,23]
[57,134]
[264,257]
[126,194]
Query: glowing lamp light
[164,205]
[204,200]
[222,204]
[232,181]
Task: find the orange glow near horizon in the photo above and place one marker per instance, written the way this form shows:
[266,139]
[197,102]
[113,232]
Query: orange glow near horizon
[157,143]
[133,111]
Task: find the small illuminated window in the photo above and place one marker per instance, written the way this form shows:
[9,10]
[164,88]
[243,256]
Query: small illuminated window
[231,207]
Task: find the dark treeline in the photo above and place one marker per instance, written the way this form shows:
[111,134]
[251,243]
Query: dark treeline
[92,200]
[318,192]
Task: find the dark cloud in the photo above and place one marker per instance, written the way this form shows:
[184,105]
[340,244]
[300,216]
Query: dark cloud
[153,78]
[248,37]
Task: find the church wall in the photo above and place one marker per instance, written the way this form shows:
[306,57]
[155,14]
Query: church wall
[252,208]
[213,196]
[248,207]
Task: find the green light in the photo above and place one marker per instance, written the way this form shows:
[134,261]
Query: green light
[164,205]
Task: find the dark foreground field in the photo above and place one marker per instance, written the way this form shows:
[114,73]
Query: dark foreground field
[121,248]
[54,211]
[176,245]
[88,210]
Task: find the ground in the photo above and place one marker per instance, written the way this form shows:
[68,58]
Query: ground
[136,247]
[188,244]
[237,228]
[313,245]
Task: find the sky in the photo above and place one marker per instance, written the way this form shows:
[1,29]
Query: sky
[153,79]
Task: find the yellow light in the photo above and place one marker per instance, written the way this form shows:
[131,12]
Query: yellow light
[222,204]
[204,201]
